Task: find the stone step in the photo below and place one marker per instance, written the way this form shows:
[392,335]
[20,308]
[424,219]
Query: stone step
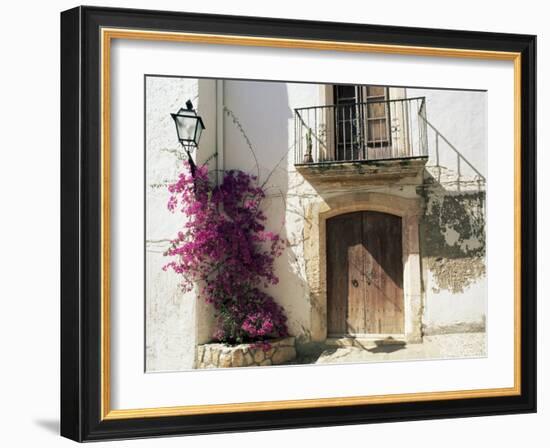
[365,341]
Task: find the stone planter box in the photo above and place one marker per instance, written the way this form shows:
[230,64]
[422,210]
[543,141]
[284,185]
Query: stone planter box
[213,356]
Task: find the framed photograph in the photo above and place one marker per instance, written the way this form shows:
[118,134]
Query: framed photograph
[276,224]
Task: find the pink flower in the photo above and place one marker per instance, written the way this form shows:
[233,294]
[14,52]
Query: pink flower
[224,245]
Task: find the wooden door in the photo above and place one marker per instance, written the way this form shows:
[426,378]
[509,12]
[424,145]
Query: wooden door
[364,274]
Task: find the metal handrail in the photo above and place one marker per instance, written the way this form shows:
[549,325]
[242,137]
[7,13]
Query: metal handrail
[352,132]
[361,103]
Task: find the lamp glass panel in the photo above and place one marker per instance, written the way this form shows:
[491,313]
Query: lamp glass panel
[198,132]
[186,127]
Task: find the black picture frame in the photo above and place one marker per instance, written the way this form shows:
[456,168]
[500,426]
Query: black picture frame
[81,224]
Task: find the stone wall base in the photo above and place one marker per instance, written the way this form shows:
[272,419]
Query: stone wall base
[213,356]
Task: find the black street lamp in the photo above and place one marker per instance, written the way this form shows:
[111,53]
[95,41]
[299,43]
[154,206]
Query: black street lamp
[189,127]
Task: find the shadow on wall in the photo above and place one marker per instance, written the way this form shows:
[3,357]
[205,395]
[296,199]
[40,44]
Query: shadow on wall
[256,134]
[445,153]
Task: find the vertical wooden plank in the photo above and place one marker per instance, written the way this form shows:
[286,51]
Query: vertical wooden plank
[383,273]
[356,311]
[373,301]
[344,241]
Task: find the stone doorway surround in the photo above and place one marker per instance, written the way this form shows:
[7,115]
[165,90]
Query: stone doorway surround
[409,209]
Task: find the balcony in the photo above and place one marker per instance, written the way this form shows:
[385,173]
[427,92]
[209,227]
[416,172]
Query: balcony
[382,139]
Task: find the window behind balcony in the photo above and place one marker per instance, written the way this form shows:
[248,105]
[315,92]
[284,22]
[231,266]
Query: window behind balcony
[361,122]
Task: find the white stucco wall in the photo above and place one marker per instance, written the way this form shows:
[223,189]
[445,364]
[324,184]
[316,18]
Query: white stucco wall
[170,315]
[461,118]
[264,112]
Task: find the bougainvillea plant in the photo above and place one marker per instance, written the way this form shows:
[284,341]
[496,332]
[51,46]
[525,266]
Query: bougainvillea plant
[225,249]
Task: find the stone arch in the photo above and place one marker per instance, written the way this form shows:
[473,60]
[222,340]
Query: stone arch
[409,209]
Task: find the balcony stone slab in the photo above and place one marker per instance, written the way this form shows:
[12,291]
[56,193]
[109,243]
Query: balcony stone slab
[367,171]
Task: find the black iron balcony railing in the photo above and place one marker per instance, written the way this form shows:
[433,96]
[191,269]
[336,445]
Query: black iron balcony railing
[356,132]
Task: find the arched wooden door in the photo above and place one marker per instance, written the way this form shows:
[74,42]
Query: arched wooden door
[364,274]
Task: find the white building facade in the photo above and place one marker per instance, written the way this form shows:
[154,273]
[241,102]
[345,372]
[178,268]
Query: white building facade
[399,171]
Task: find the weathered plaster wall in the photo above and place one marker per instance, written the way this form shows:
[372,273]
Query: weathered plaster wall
[452,231]
[170,314]
[453,246]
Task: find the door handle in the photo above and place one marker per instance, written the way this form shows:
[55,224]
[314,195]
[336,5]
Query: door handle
[355,283]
